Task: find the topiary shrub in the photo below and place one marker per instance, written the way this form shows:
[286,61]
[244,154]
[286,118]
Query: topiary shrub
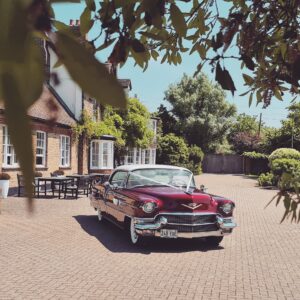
[284,153]
[58,172]
[267,179]
[284,165]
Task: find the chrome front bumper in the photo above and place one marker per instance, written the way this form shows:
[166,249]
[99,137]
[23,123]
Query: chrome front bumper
[151,227]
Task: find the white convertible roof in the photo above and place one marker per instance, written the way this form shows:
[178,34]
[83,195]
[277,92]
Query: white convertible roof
[139,167]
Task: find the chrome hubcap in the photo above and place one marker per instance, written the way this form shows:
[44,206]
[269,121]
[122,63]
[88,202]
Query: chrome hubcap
[133,234]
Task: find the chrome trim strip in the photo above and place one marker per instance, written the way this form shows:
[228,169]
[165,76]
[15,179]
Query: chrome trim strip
[186,214]
[197,224]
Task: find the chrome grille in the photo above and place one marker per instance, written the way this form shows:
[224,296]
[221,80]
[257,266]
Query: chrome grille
[191,222]
[197,228]
[190,218]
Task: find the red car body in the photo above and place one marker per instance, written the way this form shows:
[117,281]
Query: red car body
[175,212]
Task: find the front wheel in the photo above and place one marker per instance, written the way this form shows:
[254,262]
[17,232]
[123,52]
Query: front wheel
[134,238]
[214,241]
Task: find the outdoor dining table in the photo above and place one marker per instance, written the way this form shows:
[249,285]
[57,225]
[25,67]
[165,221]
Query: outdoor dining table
[60,181]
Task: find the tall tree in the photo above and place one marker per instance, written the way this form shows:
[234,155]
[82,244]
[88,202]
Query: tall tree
[203,116]
[264,33]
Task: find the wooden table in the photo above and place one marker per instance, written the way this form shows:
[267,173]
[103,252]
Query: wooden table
[60,181]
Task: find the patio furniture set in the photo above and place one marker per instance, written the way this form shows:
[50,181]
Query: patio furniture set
[63,186]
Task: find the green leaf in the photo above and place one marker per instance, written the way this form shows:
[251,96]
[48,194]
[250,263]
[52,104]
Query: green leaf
[178,20]
[105,45]
[28,75]
[14,30]
[137,46]
[153,36]
[90,5]
[277,94]
[85,22]
[249,80]
[250,99]
[89,73]
[61,26]
[19,129]
[224,79]
[154,54]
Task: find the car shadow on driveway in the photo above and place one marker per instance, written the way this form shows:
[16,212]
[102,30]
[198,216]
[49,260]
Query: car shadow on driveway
[115,239]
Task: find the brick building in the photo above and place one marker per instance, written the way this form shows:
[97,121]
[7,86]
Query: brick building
[53,116]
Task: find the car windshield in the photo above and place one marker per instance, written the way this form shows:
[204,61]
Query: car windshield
[178,178]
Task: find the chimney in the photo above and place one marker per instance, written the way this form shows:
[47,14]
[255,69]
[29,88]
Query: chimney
[72,22]
[77,23]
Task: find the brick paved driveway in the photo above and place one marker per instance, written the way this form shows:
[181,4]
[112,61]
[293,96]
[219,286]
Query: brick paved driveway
[62,252]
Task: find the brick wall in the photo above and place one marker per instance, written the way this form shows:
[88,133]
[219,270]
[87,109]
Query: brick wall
[52,152]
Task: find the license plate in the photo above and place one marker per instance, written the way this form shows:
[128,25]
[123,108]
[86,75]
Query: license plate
[168,233]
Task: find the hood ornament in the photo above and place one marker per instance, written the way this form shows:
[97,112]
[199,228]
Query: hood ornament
[192,205]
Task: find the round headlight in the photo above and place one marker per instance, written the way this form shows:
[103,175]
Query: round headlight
[227,208]
[149,207]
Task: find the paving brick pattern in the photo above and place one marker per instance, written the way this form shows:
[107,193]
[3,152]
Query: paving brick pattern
[61,252]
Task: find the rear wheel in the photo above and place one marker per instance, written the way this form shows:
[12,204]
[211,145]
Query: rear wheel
[99,215]
[214,241]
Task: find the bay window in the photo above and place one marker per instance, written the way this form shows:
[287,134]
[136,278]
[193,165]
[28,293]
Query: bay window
[9,155]
[40,155]
[102,154]
[64,151]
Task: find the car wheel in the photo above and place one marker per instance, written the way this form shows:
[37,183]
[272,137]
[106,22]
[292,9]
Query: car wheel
[214,241]
[99,214]
[134,238]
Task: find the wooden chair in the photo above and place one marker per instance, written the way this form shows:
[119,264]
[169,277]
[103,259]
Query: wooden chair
[81,185]
[21,185]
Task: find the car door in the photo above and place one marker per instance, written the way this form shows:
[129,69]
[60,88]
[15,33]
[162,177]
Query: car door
[114,198]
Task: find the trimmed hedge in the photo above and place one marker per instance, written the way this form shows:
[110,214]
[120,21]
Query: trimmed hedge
[255,155]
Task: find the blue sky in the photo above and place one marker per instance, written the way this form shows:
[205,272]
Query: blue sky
[150,85]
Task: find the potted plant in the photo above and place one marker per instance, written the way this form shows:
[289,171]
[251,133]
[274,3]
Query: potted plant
[59,173]
[4,184]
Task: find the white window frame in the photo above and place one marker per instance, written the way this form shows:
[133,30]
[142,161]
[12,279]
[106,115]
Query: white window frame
[43,148]
[65,151]
[153,156]
[8,151]
[102,145]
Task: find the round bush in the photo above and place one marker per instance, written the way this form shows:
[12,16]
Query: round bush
[284,165]
[284,153]
[266,179]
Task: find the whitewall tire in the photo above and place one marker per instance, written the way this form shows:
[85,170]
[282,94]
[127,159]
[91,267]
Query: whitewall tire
[134,237]
[99,215]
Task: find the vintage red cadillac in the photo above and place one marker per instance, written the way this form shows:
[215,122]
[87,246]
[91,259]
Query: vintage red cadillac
[162,201]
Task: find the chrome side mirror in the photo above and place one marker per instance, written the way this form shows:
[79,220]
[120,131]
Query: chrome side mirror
[203,188]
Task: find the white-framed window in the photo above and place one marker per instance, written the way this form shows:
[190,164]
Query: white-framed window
[9,155]
[153,156]
[102,154]
[130,156]
[64,146]
[137,155]
[40,154]
[147,156]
